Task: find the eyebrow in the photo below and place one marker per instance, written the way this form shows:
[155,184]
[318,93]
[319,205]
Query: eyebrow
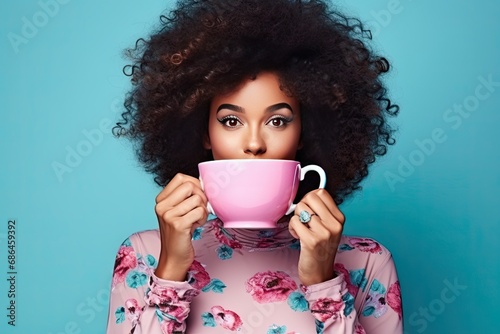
[272,108]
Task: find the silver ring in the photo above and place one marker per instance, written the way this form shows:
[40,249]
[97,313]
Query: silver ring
[305,216]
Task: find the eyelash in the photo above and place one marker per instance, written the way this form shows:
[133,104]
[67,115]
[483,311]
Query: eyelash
[224,120]
[285,120]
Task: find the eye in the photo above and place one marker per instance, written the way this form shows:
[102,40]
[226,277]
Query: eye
[230,121]
[279,121]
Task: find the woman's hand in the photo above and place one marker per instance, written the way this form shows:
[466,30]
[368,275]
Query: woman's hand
[319,238]
[181,207]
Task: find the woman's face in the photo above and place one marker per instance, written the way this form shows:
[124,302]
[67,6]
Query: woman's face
[256,121]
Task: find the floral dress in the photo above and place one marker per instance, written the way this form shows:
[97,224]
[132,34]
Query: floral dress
[246,281]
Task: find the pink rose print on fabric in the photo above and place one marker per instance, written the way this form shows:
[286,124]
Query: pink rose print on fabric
[340,268]
[167,327]
[326,308]
[358,329]
[270,286]
[163,296]
[226,318]
[220,234]
[125,260]
[198,277]
[266,243]
[179,312]
[365,245]
[394,298]
[132,310]
[170,327]
[169,302]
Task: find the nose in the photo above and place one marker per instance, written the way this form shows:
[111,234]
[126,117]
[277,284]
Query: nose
[255,143]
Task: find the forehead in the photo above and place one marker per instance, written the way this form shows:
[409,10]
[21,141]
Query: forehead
[265,88]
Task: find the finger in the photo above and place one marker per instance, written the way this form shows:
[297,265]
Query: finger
[331,205]
[323,205]
[178,180]
[184,208]
[199,216]
[315,224]
[291,230]
[178,195]
[304,213]
[297,229]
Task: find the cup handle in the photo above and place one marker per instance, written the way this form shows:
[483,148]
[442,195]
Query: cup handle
[303,171]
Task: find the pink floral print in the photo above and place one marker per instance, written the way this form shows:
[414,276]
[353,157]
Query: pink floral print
[326,308]
[221,236]
[365,245]
[164,307]
[125,260]
[375,305]
[270,286]
[340,268]
[172,305]
[226,318]
[394,298]
[170,327]
[358,329]
[198,277]
[169,302]
[167,327]
[132,310]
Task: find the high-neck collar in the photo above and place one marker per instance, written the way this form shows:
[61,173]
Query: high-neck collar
[255,239]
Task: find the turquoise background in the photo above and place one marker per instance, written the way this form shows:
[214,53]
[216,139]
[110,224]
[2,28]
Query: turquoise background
[63,83]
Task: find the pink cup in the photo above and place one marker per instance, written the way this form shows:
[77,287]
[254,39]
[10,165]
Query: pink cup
[253,193]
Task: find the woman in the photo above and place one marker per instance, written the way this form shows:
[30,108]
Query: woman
[255,79]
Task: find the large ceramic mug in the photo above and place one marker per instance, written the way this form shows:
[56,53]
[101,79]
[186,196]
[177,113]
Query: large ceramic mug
[253,193]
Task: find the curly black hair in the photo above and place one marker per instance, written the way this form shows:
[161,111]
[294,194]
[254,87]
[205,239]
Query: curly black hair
[205,48]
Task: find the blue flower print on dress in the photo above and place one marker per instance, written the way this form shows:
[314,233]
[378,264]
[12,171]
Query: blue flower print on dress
[145,265]
[265,234]
[139,267]
[136,279]
[320,326]
[375,303]
[344,248]
[197,233]
[127,242]
[224,252]
[358,278]
[227,319]
[131,311]
[349,303]
[159,314]
[295,244]
[376,286]
[275,329]
[151,261]
[120,315]
[214,285]
[208,319]
[298,302]
[223,235]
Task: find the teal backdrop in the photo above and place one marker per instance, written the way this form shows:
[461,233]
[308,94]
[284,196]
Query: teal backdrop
[75,192]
